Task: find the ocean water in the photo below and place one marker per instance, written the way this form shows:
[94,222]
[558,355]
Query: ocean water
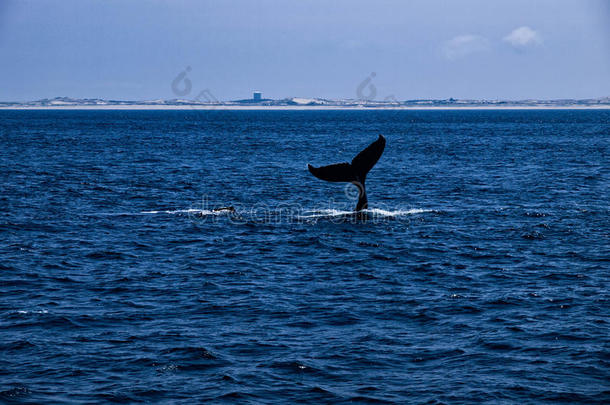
[480,275]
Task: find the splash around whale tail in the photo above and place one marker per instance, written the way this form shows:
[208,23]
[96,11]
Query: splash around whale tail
[354,172]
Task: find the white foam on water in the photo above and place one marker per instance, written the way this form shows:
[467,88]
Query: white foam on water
[374,212]
[187,211]
[112,214]
[38,311]
[195,211]
[396,213]
[325,213]
[307,214]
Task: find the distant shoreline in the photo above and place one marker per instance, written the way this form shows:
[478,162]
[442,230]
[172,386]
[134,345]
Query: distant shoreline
[299,108]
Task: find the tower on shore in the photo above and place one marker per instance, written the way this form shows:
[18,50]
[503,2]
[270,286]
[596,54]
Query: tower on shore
[257,96]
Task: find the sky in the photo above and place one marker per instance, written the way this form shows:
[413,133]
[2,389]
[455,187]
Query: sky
[421,49]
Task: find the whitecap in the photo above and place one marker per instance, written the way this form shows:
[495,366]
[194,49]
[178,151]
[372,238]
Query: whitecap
[325,213]
[396,213]
[38,311]
[187,211]
[373,212]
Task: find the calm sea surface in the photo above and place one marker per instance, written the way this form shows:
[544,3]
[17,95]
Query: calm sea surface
[481,275]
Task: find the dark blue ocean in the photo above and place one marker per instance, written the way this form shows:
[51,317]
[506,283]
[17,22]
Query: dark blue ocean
[480,275]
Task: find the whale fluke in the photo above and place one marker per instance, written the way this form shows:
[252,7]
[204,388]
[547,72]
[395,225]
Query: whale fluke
[354,172]
[336,173]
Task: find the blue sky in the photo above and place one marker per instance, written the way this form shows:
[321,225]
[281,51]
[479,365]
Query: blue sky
[119,49]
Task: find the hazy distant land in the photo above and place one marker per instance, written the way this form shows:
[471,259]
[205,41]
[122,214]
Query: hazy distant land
[305,103]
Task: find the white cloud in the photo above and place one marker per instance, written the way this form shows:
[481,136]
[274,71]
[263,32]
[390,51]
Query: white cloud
[464,45]
[523,37]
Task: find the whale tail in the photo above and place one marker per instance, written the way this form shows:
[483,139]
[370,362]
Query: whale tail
[354,172]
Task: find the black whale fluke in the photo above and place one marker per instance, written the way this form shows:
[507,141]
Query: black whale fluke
[354,172]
